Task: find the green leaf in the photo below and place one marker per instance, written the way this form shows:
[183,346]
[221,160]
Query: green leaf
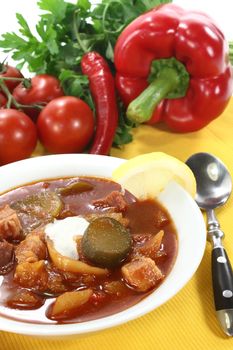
[123,135]
[84,4]
[66,74]
[145,5]
[38,64]
[20,65]
[110,52]
[76,85]
[231,52]
[24,28]
[70,54]
[90,40]
[153,3]
[12,41]
[51,41]
[55,7]
[97,25]
[75,88]
[47,31]
[52,45]
[40,28]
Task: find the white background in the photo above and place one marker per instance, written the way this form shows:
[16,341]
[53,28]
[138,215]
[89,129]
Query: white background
[220,11]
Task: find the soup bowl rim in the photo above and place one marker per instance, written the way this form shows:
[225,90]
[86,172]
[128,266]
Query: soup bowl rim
[187,217]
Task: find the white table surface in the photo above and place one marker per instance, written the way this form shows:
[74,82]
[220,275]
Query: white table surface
[220,11]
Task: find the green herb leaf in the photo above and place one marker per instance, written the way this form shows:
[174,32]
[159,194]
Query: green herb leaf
[231,52]
[123,133]
[56,7]
[12,41]
[24,28]
[149,4]
[110,51]
[65,30]
[75,84]
[84,4]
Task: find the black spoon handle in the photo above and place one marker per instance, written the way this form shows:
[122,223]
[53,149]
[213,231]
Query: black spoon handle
[222,276]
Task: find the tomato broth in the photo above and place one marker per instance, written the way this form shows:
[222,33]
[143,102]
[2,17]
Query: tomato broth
[110,293]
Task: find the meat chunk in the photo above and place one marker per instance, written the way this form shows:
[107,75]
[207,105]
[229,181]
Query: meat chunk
[56,281]
[115,200]
[10,226]
[161,219]
[32,275]
[24,299]
[142,274]
[31,249]
[150,247]
[6,257]
[117,288]
[39,231]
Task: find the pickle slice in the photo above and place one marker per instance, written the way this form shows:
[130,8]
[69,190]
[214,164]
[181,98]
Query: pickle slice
[75,188]
[37,209]
[106,242]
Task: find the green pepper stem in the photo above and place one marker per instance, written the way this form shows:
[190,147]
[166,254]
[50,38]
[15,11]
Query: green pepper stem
[141,109]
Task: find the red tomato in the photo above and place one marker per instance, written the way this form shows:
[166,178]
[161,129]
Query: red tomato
[43,88]
[3,100]
[65,125]
[7,71]
[18,136]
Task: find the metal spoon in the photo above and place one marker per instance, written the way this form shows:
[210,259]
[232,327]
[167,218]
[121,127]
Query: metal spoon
[214,187]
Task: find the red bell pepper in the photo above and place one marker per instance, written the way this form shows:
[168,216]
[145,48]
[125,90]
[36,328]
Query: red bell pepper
[187,55]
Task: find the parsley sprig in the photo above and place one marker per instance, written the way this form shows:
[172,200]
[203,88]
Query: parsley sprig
[64,32]
[231,52]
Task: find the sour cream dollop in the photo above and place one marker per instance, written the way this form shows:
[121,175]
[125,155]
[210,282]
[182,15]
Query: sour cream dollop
[63,233]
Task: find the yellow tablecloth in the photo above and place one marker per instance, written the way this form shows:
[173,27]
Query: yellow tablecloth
[188,320]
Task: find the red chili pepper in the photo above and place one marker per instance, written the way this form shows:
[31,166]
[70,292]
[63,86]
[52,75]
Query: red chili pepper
[187,54]
[102,86]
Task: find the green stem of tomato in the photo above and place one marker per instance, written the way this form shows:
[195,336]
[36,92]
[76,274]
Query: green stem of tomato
[11,78]
[12,101]
[9,102]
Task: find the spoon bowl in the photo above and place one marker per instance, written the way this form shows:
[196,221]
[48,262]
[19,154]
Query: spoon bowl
[214,187]
[214,184]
